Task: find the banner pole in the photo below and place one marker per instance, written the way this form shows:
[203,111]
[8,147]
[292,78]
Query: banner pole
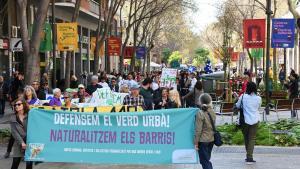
[268,12]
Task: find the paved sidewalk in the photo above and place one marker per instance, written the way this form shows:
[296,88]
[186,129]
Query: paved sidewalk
[225,157]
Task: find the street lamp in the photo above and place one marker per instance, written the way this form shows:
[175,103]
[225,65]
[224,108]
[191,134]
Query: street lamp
[269,13]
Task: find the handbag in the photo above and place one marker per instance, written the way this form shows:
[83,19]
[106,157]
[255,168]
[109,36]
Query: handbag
[217,136]
[241,117]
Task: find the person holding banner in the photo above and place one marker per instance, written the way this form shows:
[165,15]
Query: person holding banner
[94,85]
[55,101]
[18,126]
[204,134]
[174,99]
[134,99]
[81,94]
[146,92]
[30,96]
[67,100]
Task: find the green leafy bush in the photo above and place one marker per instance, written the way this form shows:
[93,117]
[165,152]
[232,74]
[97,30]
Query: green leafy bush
[288,135]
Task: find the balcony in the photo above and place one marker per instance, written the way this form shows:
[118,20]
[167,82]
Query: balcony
[86,5]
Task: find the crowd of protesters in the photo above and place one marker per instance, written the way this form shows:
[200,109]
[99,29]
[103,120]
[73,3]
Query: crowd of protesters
[144,91]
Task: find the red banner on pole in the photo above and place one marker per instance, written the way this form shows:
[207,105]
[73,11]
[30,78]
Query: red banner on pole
[254,33]
[129,52]
[235,56]
[114,46]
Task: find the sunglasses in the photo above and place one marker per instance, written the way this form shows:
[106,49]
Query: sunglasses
[66,97]
[17,104]
[80,88]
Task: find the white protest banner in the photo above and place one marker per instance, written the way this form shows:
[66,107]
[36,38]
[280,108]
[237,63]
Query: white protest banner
[106,97]
[168,78]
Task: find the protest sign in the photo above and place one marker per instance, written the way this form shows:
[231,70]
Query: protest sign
[106,97]
[168,78]
[151,137]
[67,36]
[98,109]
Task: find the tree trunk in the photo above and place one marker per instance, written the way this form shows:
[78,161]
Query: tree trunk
[97,48]
[148,60]
[69,53]
[31,48]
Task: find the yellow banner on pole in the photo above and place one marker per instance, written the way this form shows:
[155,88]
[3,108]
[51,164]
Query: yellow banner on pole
[67,36]
[93,47]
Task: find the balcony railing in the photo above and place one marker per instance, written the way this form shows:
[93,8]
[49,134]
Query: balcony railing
[89,5]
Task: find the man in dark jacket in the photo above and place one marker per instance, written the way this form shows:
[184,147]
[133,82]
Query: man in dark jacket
[3,95]
[38,90]
[293,89]
[147,93]
[94,85]
[17,84]
[113,85]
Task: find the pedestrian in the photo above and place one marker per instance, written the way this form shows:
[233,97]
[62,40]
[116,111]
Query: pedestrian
[147,93]
[292,86]
[44,78]
[103,82]
[194,95]
[93,86]
[134,99]
[124,88]
[81,94]
[246,79]
[46,89]
[74,82]
[39,90]
[204,134]
[281,76]
[251,104]
[30,96]
[67,100]
[174,98]
[16,85]
[3,95]
[56,101]
[260,75]
[130,81]
[193,81]
[114,85]
[18,126]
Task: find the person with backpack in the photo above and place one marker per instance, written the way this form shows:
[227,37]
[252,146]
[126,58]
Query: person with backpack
[204,131]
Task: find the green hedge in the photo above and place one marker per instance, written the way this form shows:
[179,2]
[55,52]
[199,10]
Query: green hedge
[265,136]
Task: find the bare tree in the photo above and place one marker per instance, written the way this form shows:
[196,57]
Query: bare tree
[31,45]
[107,9]
[141,10]
[70,53]
[296,15]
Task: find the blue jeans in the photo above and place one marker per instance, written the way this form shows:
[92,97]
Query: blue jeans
[204,152]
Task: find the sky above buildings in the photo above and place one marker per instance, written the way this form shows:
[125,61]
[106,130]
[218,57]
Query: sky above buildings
[206,14]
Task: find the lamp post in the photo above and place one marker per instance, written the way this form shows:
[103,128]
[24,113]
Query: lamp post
[269,13]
